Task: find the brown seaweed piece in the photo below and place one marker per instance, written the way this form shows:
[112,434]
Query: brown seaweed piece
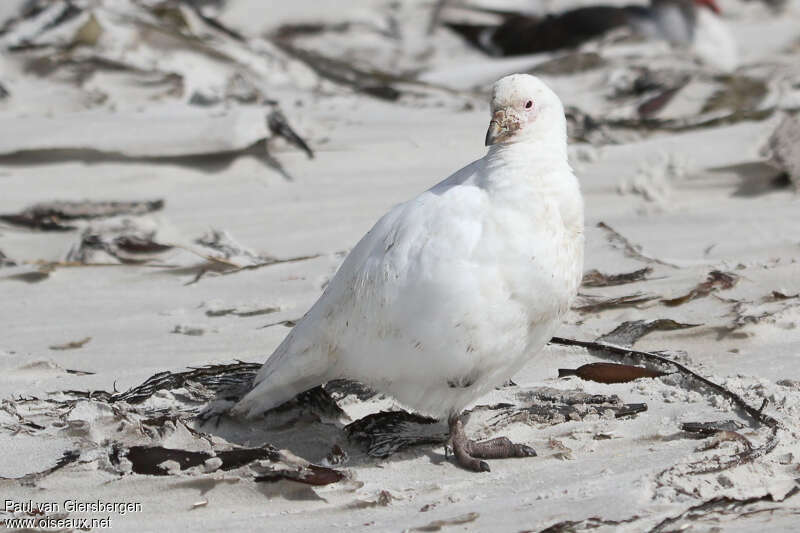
[595,278]
[610,372]
[74,345]
[146,460]
[51,216]
[716,280]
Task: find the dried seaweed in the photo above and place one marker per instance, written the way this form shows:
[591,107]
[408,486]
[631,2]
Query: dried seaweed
[627,333]
[270,463]
[68,457]
[707,429]
[757,415]
[630,249]
[563,407]
[5,261]
[385,433]
[739,93]
[374,83]
[776,296]
[74,345]
[595,278]
[278,125]
[52,216]
[715,281]
[232,311]
[437,525]
[594,522]
[727,436]
[593,303]
[702,120]
[720,504]
[610,372]
[215,378]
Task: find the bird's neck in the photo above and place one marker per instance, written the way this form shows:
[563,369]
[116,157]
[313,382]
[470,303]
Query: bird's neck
[517,173]
[540,154]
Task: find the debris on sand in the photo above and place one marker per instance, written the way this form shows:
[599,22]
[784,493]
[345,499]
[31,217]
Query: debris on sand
[610,372]
[74,345]
[388,432]
[267,463]
[192,87]
[437,525]
[5,261]
[717,463]
[595,278]
[631,250]
[627,333]
[126,242]
[55,216]
[716,280]
[385,433]
[784,148]
[589,303]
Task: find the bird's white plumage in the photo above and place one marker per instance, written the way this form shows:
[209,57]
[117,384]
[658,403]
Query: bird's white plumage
[450,293]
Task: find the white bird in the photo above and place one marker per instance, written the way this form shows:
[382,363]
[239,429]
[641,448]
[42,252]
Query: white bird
[452,292]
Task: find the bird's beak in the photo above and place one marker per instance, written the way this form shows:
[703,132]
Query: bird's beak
[502,126]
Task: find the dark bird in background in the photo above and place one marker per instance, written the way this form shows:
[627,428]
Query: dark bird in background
[672,20]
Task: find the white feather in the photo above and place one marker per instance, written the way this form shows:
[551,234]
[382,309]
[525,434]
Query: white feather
[450,293]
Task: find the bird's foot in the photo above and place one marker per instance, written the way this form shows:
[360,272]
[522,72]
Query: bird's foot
[469,453]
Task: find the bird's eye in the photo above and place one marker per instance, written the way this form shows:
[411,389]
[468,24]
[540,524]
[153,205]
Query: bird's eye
[529,104]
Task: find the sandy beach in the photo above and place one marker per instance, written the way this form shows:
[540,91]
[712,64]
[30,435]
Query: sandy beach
[243,230]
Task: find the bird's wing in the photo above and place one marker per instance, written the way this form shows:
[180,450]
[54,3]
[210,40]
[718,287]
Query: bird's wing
[309,354]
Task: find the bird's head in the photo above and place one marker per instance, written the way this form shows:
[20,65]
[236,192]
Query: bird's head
[523,108]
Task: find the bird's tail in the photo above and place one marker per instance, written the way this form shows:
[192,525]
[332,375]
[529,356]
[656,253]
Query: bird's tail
[290,370]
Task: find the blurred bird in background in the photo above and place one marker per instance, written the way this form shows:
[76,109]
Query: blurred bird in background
[692,24]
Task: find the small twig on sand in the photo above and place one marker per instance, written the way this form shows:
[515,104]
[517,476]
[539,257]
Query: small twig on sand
[757,415]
